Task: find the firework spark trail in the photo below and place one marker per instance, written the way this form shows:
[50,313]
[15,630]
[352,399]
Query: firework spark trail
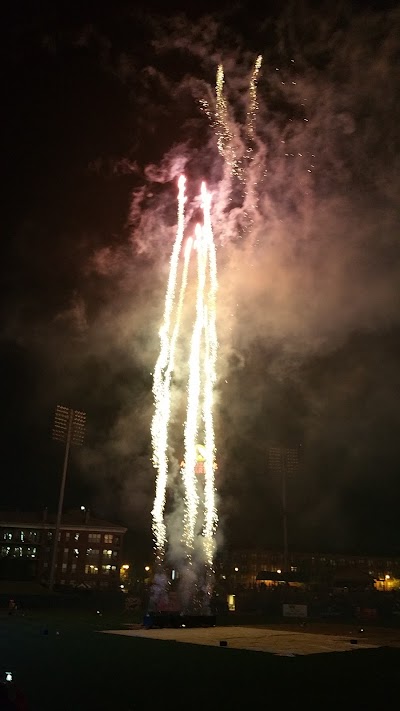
[251,123]
[159,427]
[225,138]
[221,123]
[210,512]
[251,178]
[175,333]
[194,385]
[165,394]
[253,105]
[201,378]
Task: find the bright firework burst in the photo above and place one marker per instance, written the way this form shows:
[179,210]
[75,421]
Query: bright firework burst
[200,515]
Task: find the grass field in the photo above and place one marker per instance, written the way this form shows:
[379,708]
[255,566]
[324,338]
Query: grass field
[62,662]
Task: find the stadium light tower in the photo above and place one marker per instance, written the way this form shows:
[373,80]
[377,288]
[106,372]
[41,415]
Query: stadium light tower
[69,427]
[284,462]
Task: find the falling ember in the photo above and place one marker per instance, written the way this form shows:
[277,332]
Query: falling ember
[194,326]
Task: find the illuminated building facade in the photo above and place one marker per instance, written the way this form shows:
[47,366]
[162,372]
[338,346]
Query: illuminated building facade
[246,568]
[89,549]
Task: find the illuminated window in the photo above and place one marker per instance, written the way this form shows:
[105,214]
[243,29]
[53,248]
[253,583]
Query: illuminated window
[107,569]
[94,537]
[92,553]
[91,569]
[5,550]
[108,538]
[17,551]
[64,567]
[76,536]
[7,536]
[67,535]
[231,603]
[109,553]
[73,567]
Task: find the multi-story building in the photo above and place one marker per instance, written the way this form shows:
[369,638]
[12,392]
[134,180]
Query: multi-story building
[88,553]
[243,567]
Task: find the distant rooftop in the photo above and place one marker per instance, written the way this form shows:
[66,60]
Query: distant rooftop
[288,577]
[75,518]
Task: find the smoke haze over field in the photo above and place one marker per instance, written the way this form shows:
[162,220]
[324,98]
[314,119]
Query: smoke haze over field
[104,113]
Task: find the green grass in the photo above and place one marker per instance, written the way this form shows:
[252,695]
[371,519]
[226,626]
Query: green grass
[80,668]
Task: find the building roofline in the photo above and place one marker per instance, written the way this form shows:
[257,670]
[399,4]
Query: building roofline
[70,521]
[65,527]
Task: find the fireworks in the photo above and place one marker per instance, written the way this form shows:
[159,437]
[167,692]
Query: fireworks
[236,151]
[162,385]
[199,348]
[225,137]
[188,354]
[253,106]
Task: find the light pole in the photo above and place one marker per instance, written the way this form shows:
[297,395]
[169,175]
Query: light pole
[69,427]
[283,461]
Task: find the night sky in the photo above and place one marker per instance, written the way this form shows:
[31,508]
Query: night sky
[101,113]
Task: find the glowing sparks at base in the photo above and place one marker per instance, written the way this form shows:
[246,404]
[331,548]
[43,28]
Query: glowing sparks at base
[199,352]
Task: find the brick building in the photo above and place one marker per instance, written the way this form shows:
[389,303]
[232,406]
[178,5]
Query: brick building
[89,548]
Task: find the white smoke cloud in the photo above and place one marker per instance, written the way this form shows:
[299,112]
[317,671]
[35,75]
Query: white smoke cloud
[312,266]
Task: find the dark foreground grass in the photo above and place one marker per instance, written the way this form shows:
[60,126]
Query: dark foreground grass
[81,669]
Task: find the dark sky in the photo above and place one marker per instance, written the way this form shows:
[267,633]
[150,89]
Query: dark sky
[101,112]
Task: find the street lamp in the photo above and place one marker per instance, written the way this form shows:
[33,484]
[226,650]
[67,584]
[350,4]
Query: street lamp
[283,461]
[69,427]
